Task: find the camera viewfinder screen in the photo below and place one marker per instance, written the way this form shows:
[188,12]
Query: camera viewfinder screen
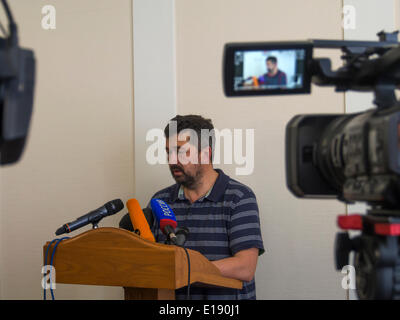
[275,70]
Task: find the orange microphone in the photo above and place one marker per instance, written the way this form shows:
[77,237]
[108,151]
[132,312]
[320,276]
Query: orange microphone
[255,82]
[138,220]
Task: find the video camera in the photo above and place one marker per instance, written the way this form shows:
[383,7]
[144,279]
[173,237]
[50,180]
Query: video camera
[17,79]
[352,157]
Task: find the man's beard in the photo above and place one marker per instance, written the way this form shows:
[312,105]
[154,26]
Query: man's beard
[187,180]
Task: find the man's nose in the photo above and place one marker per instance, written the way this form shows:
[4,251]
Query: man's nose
[172,157]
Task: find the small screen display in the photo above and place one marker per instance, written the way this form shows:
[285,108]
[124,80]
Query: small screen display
[268,70]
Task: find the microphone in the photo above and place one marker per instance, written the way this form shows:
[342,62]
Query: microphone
[110,208]
[139,220]
[166,218]
[148,213]
[126,223]
[182,234]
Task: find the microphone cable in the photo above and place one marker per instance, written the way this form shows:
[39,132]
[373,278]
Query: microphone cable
[57,241]
[188,286]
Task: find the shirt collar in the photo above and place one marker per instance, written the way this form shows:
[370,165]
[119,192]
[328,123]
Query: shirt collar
[214,194]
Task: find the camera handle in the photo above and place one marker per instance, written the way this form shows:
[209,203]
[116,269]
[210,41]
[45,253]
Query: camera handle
[384,94]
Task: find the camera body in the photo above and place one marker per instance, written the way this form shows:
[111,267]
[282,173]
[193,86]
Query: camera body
[17,83]
[351,157]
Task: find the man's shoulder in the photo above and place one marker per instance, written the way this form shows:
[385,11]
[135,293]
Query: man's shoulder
[239,190]
[165,193]
[281,73]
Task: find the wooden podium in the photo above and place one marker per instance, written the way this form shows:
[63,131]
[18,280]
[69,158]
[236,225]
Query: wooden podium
[146,270]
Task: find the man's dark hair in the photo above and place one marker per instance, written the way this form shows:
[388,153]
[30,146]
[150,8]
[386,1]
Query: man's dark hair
[195,123]
[272,59]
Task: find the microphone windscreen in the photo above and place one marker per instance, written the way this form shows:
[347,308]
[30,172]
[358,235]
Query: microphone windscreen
[60,230]
[163,213]
[138,220]
[114,206]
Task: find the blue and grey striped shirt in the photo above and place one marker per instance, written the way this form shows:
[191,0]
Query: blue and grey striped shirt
[221,223]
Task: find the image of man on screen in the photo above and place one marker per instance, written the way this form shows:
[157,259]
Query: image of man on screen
[274,76]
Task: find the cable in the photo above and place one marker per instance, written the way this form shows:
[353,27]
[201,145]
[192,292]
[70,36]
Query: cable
[8,12]
[9,17]
[51,264]
[45,263]
[3,30]
[188,286]
[12,36]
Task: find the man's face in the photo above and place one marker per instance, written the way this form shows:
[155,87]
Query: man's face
[184,162]
[271,66]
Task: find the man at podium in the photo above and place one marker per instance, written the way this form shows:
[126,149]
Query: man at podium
[220,212]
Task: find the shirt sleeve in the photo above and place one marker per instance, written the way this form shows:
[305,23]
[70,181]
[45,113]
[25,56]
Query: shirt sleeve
[244,229]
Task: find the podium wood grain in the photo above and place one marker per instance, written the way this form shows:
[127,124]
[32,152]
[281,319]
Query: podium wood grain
[146,270]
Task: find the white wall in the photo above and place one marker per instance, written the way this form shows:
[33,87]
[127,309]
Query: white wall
[155,86]
[79,153]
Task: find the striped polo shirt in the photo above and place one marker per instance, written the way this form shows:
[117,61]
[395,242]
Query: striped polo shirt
[221,223]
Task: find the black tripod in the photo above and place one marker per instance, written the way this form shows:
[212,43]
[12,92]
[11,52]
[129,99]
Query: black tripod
[377,252]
